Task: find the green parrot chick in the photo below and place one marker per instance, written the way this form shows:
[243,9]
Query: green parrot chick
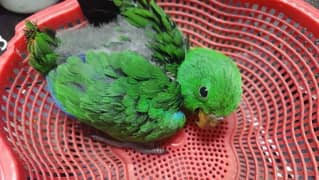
[130,75]
[210,84]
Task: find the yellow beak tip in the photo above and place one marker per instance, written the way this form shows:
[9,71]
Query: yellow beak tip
[206,121]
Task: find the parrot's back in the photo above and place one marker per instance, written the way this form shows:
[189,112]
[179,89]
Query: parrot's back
[115,36]
[119,25]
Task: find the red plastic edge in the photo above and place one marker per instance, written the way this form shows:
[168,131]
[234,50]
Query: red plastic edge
[302,12]
[10,165]
[11,168]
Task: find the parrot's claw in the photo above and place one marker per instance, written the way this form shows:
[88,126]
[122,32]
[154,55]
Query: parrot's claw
[142,148]
[146,150]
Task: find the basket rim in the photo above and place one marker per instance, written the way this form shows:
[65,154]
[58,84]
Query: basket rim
[308,15]
[9,163]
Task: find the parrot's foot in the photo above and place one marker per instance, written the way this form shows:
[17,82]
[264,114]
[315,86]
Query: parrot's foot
[142,148]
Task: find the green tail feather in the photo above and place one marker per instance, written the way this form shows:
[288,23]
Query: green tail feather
[41,46]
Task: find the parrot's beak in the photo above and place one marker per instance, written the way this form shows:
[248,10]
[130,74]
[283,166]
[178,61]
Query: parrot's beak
[208,120]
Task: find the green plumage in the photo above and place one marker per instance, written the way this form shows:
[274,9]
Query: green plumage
[127,96]
[218,73]
[168,44]
[41,44]
[109,93]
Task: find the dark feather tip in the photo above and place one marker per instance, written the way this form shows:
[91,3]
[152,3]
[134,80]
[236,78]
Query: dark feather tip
[50,32]
[30,30]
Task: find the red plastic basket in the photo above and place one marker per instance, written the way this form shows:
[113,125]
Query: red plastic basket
[273,135]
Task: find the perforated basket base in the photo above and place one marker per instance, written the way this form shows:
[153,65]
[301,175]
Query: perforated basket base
[272,135]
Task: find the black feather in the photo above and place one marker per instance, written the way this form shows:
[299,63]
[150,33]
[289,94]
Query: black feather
[99,11]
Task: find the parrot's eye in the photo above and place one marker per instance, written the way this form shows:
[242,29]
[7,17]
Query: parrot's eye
[203,92]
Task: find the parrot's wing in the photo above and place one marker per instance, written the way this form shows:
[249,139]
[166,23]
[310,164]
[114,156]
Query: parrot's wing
[121,94]
[168,43]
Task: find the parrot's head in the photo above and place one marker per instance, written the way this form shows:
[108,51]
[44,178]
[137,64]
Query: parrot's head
[211,85]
